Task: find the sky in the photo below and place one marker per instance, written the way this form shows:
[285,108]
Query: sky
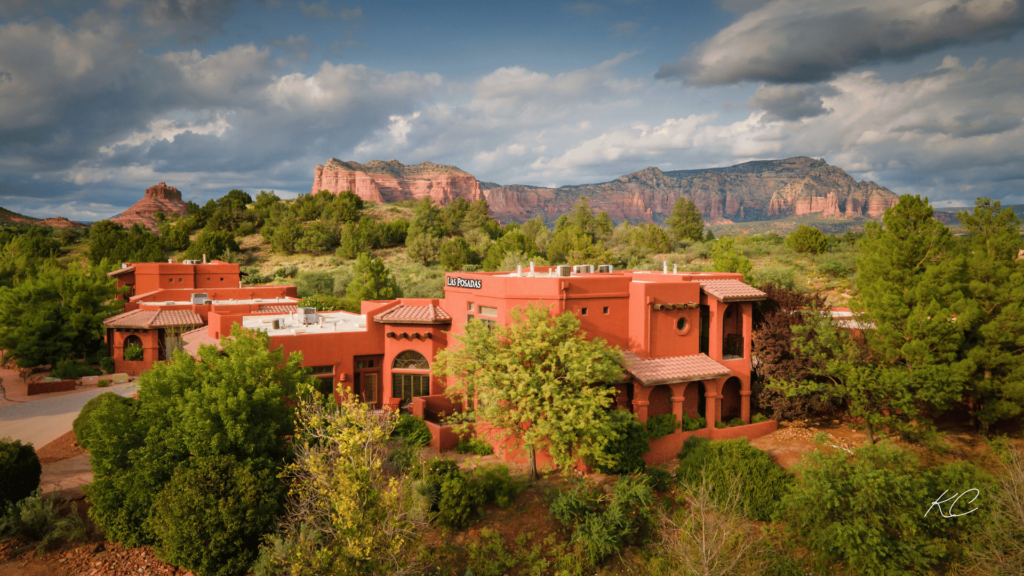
[100,99]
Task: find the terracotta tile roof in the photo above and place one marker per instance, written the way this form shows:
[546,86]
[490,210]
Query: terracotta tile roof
[402,314]
[196,338]
[120,271]
[674,369]
[731,290]
[280,308]
[154,319]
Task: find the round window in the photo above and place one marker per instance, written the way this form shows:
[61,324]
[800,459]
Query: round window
[681,324]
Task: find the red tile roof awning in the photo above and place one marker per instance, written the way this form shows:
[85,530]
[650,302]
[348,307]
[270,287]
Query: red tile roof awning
[154,319]
[731,291]
[402,314]
[121,271]
[673,369]
[280,308]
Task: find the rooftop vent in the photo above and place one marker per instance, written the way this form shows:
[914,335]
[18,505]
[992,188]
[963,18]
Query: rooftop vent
[200,298]
[605,268]
[564,271]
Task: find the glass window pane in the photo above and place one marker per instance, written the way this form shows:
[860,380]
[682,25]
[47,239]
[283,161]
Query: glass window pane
[411,360]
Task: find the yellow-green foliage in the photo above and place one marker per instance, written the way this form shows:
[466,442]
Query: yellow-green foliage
[346,513]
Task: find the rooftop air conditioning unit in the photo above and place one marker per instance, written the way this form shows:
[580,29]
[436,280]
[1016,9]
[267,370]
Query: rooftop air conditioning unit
[308,315]
[564,271]
[583,269]
[200,298]
[278,323]
[605,268]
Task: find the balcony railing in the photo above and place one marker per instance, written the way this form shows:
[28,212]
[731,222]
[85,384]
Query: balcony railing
[732,346]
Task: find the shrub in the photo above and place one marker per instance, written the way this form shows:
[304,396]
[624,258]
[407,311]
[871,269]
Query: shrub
[289,271]
[474,446]
[37,518]
[107,364]
[71,370]
[720,425]
[736,422]
[870,512]
[807,240]
[496,484]
[459,500]
[133,352]
[601,525]
[663,425]
[833,268]
[83,424]
[629,445]
[103,383]
[691,424]
[413,430]
[19,470]
[658,479]
[761,481]
[212,515]
[782,276]
[758,418]
[315,284]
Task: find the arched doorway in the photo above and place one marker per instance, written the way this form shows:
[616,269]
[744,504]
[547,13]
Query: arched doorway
[731,399]
[410,376]
[132,348]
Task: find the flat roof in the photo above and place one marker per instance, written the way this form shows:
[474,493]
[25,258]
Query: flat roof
[293,324]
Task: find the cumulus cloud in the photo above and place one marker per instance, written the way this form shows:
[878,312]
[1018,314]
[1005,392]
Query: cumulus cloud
[934,133]
[813,40]
[791,102]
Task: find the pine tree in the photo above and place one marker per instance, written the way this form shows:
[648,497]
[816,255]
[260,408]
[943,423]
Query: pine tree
[685,222]
[373,281]
[995,312]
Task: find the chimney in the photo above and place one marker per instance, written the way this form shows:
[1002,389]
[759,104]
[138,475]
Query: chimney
[675,269]
[519,269]
[204,258]
[664,266]
[531,269]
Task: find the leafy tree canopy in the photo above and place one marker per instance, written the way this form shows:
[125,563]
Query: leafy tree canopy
[373,281]
[686,222]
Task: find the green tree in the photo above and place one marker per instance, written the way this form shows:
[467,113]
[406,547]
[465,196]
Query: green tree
[686,222]
[213,244]
[909,281]
[725,257]
[426,219]
[373,281]
[994,338]
[346,207]
[807,240]
[456,253]
[316,239]
[710,236]
[235,199]
[539,382]
[56,314]
[285,236]
[235,401]
[650,238]
[573,246]
[177,238]
[21,253]
[111,242]
[512,242]
[871,511]
[423,247]
[478,215]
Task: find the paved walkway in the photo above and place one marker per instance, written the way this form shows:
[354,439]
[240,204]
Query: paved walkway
[42,421]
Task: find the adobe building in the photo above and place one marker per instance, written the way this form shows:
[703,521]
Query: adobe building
[164,300]
[685,339]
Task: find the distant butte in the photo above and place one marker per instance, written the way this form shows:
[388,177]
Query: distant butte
[748,192]
[159,198]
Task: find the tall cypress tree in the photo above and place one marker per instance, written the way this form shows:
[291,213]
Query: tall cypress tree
[995,313]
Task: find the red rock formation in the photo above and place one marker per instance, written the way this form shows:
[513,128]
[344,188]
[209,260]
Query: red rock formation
[60,222]
[159,198]
[392,181]
[752,191]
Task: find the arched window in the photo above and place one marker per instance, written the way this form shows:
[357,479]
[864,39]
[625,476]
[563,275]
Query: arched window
[132,348]
[414,378]
[410,360]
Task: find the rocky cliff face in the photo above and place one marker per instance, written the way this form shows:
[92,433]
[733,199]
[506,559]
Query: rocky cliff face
[392,181]
[752,191]
[159,198]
